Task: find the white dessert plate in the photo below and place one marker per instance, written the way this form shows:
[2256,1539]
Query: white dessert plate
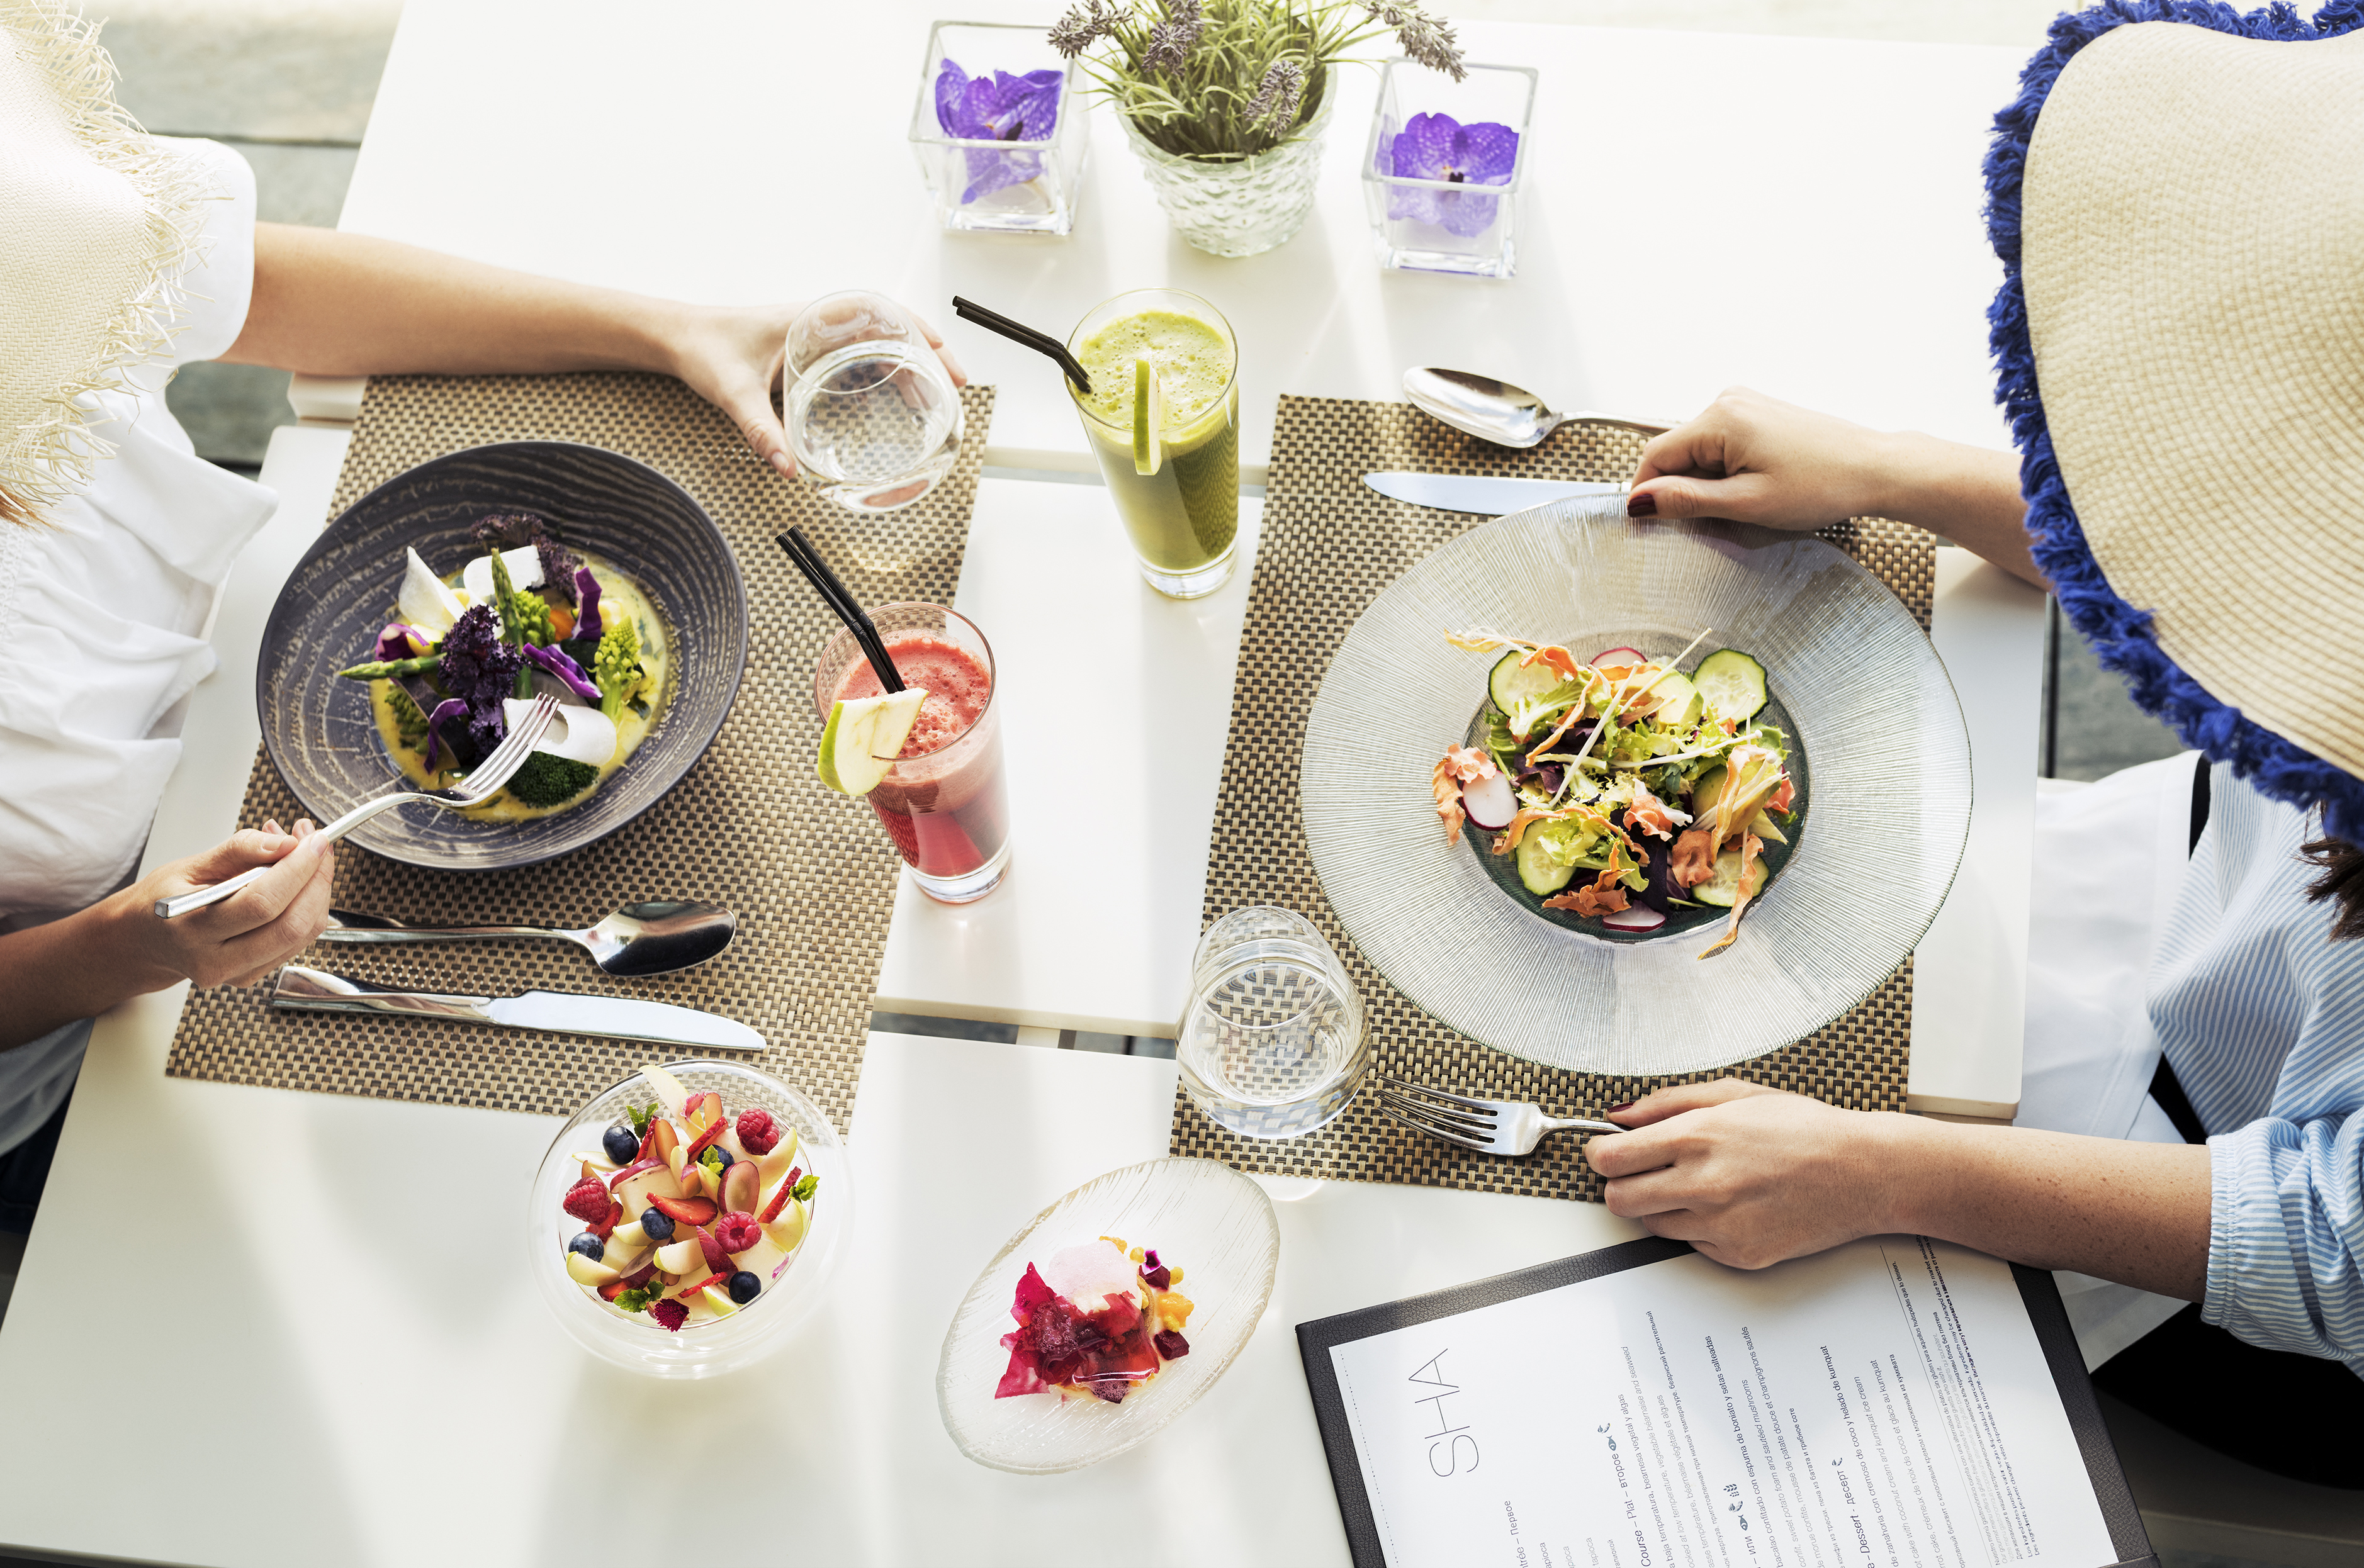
[1214,1223]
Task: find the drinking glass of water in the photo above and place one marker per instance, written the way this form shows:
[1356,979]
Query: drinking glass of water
[1271,1043]
[873,419]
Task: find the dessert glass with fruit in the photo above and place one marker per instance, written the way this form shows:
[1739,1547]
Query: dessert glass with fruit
[1086,1335]
[687,1219]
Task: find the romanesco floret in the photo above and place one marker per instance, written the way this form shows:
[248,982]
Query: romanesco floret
[532,612]
[618,666]
[546,780]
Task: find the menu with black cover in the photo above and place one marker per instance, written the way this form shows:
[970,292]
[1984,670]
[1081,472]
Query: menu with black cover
[1893,1403]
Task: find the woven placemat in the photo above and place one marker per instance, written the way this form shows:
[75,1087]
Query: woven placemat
[808,871]
[1330,546]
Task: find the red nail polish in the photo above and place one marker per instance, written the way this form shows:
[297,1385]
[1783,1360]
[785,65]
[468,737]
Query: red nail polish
[1630,1104]
[1641,506]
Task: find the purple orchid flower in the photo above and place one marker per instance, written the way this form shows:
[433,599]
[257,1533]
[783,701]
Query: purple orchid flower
[1000,107]
[1438,147]
[559,663]
[586,614]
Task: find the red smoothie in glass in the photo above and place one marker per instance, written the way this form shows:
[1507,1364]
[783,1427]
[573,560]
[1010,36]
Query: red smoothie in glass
[943,803]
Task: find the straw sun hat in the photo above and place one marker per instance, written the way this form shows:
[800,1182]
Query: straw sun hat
[2177,198]
[97,224]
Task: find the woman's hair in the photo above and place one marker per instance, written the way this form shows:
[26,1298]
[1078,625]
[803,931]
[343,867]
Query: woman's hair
[2343,879]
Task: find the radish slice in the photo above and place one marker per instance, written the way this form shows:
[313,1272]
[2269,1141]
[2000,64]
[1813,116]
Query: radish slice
[1639,918]
[1491,802]
[1620,656]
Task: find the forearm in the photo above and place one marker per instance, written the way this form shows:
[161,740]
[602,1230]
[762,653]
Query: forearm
[332,304]
[1969,496]
[2136,1213]
[69,969]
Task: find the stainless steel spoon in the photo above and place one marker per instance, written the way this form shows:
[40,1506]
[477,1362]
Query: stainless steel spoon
[639,939]
[1496,411]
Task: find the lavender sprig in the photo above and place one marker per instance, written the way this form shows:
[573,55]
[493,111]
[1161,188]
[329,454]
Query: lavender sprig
[1170,41]
[1086,23]
[1274,107]
[1425,39]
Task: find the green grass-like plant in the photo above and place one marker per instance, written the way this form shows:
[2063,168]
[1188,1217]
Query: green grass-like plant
[1220,81]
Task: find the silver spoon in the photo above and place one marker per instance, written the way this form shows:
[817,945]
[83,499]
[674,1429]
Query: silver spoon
[639,939]
[1496,411]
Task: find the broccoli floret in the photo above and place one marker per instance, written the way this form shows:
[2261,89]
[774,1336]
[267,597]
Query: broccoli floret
[617,667]
[546,780]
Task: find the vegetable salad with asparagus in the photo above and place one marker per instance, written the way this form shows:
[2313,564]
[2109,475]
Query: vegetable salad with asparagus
[466,653]
[1624,788]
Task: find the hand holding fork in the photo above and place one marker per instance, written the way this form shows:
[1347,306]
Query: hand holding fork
[1490,1127]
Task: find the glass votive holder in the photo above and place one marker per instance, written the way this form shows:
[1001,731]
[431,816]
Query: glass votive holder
[1441,174]
[1000,128]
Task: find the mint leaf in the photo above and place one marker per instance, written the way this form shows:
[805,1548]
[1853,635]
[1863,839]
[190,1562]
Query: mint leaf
[632,1300]
[804,1189]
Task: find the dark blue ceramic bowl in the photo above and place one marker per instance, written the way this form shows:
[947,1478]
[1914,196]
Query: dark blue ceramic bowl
[318,730]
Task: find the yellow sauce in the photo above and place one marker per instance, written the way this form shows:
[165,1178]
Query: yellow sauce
[618,595]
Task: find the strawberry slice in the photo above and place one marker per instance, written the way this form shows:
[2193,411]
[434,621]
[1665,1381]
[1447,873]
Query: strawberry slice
[780,1200]
[717,1258]
[704,1141]
[606,1227]
[687,1210]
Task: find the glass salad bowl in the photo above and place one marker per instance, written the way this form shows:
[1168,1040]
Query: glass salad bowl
[320,731]
[1880,833]
[710,1347]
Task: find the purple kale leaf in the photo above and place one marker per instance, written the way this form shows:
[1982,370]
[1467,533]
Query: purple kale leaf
[508,530]
[999,108]
[1438,147]
[558,564]
[480,670]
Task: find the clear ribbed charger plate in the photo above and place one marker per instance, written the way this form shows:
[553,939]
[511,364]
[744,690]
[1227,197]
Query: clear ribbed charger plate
[1880,834]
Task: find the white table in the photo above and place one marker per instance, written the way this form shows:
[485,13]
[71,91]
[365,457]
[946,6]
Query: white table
[258,1376]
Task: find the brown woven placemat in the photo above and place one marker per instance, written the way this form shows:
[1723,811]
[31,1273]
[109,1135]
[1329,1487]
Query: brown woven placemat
[1330,546]
[808,871]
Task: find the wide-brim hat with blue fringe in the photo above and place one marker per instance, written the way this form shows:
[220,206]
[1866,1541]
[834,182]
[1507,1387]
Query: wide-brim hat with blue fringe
[2177,198]
[97,224]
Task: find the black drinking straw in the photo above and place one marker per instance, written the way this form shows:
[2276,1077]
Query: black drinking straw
[1042,344]
[834,595]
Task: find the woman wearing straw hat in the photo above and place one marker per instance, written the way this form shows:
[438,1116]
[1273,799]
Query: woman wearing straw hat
[2180,338]
[122,256]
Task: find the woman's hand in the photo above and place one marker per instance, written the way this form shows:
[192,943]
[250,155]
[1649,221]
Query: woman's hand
[1758,460]
[732,357]
[244,937]
[1749,1175]
[1755,458]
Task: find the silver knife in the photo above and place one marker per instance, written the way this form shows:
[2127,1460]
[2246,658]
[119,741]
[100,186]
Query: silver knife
[613,1018]
[1465,493]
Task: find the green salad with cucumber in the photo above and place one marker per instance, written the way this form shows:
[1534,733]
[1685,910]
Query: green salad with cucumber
[1624,791]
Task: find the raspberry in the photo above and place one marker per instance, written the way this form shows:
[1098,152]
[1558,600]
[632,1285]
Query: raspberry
[737,1232]
[587,1201]
[671,1314]
[757,1135]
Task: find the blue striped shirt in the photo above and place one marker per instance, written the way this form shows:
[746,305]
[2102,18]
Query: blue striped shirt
[2261,1015]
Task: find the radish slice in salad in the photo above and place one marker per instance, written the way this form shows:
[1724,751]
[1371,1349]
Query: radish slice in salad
[1620,656]
[1638,918]
[1491,802]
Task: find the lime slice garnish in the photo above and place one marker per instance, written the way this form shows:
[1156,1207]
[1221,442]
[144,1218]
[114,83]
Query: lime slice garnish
[863,737]
[1148,418]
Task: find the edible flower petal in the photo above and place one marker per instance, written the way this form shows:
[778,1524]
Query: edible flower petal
[999,108]
[399,640]
[557,662]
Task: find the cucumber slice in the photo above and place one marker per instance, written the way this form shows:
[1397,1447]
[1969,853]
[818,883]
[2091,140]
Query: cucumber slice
[1706,790]
[1509,684]
[1148,418]
[1723,889]
[1541,874]
[1731,685]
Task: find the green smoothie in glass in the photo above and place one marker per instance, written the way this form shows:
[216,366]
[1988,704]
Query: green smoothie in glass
[1178,493]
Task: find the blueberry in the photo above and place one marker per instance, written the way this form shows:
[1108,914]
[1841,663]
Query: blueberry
[743,1286]
[656,1224]
[590,1246]
[621,1144]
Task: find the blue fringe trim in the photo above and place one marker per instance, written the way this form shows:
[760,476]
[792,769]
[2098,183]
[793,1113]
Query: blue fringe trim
[2120,633]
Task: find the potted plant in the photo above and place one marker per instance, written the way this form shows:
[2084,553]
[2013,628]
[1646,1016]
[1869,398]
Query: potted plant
[1225,102]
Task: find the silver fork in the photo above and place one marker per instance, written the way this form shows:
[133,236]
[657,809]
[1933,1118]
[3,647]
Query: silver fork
[477,787]
[1493,1126]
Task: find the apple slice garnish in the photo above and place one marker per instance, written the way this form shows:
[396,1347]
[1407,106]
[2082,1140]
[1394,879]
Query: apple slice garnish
[681,1257]
[787,1232]
[583,1271]
[668,1087]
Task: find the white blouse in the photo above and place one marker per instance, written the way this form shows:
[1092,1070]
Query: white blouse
[104,614]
